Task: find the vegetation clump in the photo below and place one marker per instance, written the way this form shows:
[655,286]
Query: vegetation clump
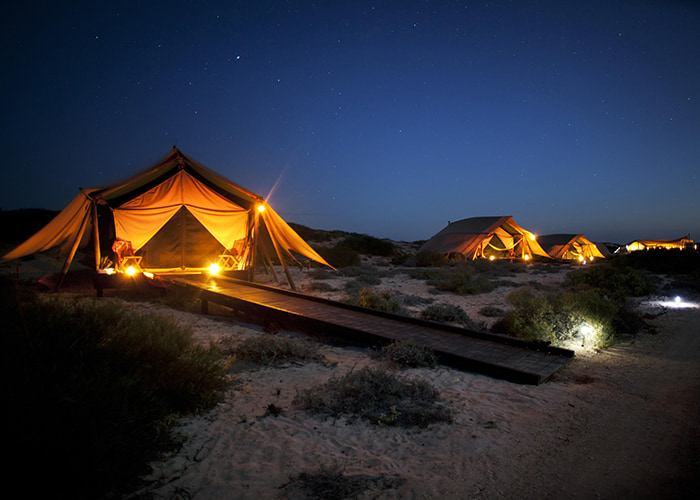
[275,350]
[330,482]
[94,388]
[378,301]
[379,396]
[408,355]
[449,313]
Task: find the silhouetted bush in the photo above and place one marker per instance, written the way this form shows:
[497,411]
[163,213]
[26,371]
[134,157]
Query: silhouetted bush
[449,313]
[408,355]
[340,256]
[369,245]
[93,387]
[379,396]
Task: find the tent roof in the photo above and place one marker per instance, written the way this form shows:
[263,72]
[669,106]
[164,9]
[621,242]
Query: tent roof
[557,245]
[466,235]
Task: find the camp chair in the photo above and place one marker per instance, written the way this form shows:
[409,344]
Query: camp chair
[232,256]
[125,256]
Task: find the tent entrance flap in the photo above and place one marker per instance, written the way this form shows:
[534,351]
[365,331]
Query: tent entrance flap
[180,244]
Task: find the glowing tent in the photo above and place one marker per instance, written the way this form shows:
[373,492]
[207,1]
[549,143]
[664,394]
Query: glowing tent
[486,237]
[175,216]
[679,243]
[570,247]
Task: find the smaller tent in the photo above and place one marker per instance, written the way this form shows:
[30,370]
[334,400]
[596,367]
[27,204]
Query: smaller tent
[679,243]
[486,237]
[570,247]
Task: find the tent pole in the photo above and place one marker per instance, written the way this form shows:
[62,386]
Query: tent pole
[73,249]
[253,246]
[96,236]
[269,262]
[284,264]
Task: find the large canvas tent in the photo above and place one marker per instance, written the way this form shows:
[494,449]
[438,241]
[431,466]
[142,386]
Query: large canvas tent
[177,216]
[679,243]
[570,247]
[486,237]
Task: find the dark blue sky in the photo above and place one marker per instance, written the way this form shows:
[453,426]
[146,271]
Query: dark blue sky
[385,118]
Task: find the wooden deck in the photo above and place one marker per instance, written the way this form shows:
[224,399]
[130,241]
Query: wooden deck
[494,355]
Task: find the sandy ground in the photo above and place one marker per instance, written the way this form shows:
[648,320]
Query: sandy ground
[622,423]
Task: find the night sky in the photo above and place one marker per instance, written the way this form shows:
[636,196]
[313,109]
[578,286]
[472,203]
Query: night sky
[383,118]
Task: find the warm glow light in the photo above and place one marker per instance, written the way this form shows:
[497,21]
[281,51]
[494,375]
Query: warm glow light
[148,275]
[261,208]
[532,236]
[580,258]
[214,268]
[527,257]
[110,270]
[492,258]
[131,270]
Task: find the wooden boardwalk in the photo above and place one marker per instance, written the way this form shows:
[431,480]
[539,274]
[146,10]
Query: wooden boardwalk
[494,355]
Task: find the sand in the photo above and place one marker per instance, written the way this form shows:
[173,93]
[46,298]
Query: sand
[621,423]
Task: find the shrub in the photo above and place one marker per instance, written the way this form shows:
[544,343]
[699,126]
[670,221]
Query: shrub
[379,301]
[369,245]
[379,396]
[94,388]
[449,313]
[617,282]
[340,256]
[460,280]
[408,355]
[560,317]
[276,350]
[331,483]
[431,258]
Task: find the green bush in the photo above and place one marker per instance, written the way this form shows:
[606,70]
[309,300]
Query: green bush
[616,282]
[560,317]
[461,280]
[449,313]
[408,355]
[93,388]
[379,396]
[379,301]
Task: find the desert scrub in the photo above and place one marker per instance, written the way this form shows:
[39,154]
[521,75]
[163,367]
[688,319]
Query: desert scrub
[560,317]
[461,280]
[111,381]
[330,482]
[276,350]
[449,313]
[616,282]
[369,245]
[379,396]
[408,355]
[378,301]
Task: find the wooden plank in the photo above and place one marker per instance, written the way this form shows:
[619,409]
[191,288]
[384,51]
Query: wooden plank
[485,353]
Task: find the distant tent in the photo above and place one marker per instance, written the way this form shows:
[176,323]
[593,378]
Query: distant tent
[175,216]
[570,247]
[486,237]
[679,243]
